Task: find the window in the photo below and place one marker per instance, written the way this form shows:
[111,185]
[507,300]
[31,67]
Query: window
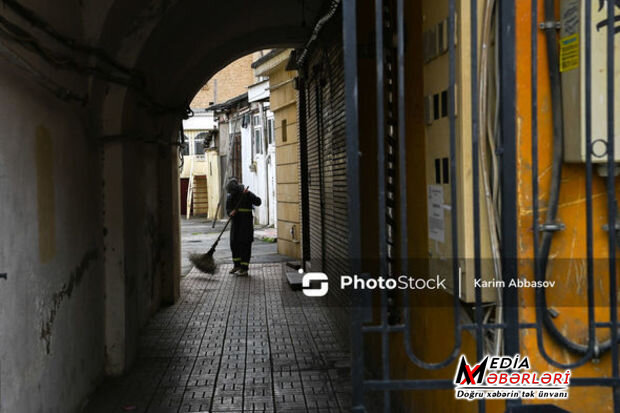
[283,130]
[271,130]
[207,139]
[199,146]
[258,141]
[258,134]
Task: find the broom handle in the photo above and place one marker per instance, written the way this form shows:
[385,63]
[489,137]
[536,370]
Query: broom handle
[228,221]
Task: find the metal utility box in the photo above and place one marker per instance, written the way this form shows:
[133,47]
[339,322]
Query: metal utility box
[573,71]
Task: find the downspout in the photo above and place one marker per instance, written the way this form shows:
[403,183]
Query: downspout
[303,162]
[266,159]
[317,30]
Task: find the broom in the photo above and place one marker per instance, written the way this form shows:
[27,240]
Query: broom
[205,262]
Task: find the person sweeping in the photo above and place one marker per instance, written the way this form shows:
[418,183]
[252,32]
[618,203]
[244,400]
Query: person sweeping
[239,205]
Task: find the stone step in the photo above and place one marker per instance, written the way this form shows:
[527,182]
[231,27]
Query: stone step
[294,279]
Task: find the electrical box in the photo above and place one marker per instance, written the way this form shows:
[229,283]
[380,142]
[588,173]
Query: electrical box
[573,72]
[437,136]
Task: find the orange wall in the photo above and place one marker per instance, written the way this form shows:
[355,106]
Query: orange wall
[568,247]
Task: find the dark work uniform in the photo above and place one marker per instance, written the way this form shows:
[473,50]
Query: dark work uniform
[242,226]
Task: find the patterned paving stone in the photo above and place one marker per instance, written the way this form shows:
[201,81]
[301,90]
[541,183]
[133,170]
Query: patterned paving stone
[235,345]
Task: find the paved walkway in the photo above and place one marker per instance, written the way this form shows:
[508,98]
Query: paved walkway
[235,344]
[197,235]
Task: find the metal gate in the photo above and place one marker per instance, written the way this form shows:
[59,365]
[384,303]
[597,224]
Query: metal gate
[390,76]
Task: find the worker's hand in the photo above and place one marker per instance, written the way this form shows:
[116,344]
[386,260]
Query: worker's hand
[233,212]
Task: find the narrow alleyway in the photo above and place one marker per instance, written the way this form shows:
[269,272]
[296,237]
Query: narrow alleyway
[235,344]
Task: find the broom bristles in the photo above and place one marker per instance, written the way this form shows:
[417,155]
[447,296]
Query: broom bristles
[204,262]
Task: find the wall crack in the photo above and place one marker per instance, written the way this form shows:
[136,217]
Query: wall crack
[65,293]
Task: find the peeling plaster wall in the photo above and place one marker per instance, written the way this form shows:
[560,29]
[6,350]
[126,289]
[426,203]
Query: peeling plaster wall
[51,305]
[143,239]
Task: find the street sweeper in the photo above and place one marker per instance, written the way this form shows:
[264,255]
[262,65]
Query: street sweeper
[240,203]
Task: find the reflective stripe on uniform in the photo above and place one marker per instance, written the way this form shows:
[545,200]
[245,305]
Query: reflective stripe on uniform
[245,263]
[236,259]
[244,210]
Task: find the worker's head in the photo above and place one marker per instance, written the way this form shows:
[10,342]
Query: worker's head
[232,187]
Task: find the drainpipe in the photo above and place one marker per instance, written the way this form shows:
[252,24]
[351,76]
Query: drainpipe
[190,185]
[265,159]
[317,30]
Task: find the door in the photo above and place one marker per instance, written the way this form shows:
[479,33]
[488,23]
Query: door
[184,188]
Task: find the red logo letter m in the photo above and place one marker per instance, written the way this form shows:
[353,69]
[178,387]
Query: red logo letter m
[466,374]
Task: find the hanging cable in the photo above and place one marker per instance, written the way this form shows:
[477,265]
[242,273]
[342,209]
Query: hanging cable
[15,34]
[47,83]
[317,30]
[556,180]
[486,139]
[36,21]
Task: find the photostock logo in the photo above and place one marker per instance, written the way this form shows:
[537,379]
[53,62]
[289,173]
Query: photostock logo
[311,278]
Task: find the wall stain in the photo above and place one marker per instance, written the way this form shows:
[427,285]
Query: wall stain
[44,157]
[65,293]
[154,236]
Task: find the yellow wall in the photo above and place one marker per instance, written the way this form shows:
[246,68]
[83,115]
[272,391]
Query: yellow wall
[212,173]
[193,164]
[283,104]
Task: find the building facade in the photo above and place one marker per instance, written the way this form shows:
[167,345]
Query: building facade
[204,156]
[283,103]
[259,153]
[246,135]
[197,167]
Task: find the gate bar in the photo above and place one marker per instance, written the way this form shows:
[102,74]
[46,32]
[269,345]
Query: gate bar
[611,201]
[508,112]
[349,35]
[381,207]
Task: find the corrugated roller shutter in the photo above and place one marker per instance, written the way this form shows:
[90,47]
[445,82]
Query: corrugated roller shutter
[326,154]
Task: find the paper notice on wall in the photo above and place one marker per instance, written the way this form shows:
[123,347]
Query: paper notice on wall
[569,53]
[436,221]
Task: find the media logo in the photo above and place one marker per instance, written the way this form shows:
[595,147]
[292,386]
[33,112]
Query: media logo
[496,377]
[309,284]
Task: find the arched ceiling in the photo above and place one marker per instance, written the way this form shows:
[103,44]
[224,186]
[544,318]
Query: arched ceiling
[179,44]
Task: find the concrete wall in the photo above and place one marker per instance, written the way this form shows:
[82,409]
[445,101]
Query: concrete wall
[52,312]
